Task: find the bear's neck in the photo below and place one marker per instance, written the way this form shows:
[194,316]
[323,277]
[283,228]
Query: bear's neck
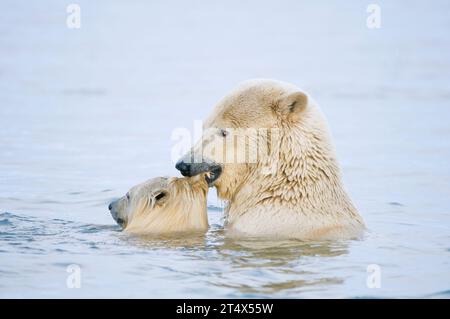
[301,174]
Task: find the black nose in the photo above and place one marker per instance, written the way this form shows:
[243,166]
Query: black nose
[183,167]
[110,206]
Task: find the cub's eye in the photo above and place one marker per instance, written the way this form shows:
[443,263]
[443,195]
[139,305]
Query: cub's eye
[223,132]
[160,196]
[128,196]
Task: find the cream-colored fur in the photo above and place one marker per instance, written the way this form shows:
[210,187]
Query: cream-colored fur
[302,196]
[164,205]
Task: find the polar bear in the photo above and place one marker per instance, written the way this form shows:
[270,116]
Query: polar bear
[163,205]
[289,184]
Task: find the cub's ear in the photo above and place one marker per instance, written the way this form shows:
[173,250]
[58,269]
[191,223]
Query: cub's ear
[291,105]
[160,196]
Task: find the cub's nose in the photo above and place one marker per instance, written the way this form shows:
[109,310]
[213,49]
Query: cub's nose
[183,167]
[110,205]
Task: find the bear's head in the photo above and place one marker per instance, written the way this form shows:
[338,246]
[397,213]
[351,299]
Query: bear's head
[264,130]
[163,205]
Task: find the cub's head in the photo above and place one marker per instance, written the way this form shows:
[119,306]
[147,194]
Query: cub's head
[245,132]
[163,205]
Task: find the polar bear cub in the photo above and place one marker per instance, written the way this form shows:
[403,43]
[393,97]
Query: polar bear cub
[163,205]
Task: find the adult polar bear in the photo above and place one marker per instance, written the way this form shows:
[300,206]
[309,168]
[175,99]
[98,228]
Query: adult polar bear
[303,197]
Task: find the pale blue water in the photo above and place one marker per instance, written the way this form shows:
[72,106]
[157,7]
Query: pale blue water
[86,114]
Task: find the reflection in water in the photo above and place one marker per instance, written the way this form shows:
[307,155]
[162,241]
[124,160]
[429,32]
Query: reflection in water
[254,267]
[275,266]
[175,241]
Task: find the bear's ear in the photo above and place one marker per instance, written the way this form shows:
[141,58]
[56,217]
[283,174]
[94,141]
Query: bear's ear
[291,105]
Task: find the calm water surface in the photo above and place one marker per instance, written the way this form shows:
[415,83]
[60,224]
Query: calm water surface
[86,114]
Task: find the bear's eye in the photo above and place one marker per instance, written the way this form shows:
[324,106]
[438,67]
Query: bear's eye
[223,132]
[160,196]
